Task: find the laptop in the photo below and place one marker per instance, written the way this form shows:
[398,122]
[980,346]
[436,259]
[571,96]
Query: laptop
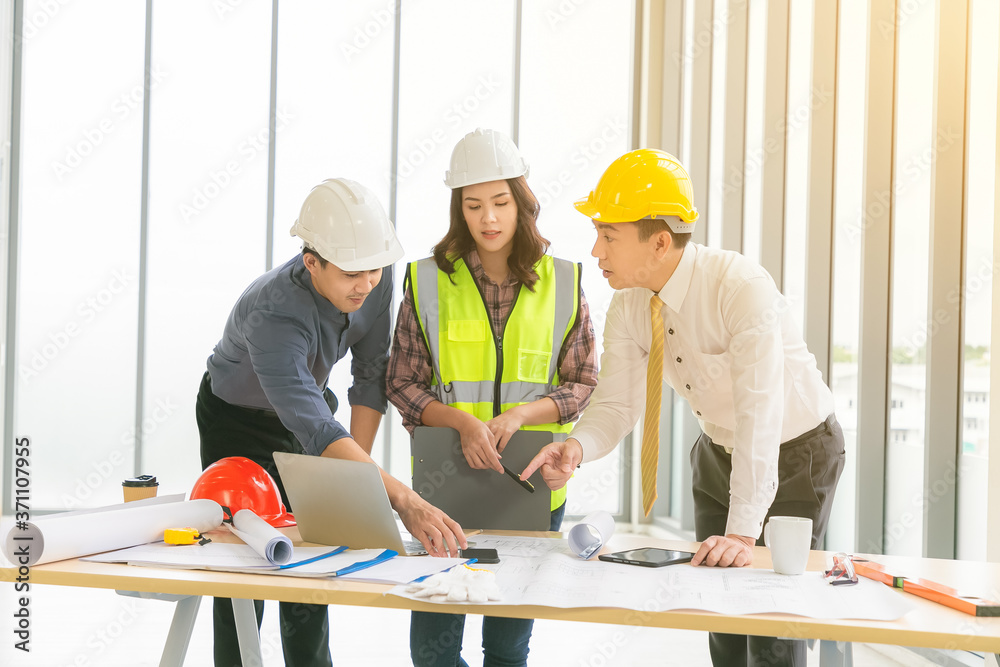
[482,499]
[341,503]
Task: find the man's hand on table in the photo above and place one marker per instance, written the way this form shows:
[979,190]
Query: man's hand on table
[439,534]
[729,551]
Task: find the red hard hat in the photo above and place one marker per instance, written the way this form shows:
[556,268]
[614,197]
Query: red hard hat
[238,483]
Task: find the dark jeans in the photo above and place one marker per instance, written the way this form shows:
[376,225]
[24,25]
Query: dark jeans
[808,469]
[436,639]
[229,430]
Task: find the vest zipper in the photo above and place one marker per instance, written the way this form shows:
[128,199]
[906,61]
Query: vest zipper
[497,343]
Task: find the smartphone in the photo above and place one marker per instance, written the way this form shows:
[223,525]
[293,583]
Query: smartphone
[648,557]
[481,555]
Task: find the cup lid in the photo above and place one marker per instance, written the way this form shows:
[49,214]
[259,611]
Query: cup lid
[141,480]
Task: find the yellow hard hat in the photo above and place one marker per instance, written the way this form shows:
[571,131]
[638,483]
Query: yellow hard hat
[645,183]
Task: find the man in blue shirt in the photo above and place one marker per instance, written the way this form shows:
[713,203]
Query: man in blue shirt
[266,385]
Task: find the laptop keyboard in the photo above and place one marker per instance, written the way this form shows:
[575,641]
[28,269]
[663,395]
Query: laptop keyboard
[414,548]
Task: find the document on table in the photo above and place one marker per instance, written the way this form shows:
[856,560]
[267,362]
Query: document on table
[242,558]
[235,558]
[264,538]
[73,534]
[558,580]
[527,547]
[404,570]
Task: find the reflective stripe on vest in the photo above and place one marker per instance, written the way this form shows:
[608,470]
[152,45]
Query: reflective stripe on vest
[467,358]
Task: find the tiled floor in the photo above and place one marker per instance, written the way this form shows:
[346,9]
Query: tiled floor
[80,627]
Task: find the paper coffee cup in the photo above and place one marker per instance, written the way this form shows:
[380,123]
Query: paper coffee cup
[137,488]
[789,539]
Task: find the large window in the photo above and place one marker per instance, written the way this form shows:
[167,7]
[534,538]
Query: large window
[914,151]
[753,181]
[447,88]
[978,289]
[124,284]
[333,119]
[151,190]
[74,386]
[207,210]
[801,99]
[849,226]
[573,124]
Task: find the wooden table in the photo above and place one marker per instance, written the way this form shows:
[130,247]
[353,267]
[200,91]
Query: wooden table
[927,625]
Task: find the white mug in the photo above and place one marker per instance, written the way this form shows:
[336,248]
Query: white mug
[789,539]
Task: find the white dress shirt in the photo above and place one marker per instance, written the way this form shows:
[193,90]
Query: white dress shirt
[733,351]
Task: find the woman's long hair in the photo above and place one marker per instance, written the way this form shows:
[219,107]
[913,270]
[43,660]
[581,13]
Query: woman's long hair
[528,246]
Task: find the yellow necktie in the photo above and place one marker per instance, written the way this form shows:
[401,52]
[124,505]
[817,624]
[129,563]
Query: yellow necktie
[650,454]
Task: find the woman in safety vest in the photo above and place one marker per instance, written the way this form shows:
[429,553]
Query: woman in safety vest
[492,336]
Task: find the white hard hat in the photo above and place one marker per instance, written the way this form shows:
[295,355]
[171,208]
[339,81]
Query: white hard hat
[483,156]
[345,223]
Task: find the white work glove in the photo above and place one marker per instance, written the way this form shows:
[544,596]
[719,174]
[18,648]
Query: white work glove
[459,584]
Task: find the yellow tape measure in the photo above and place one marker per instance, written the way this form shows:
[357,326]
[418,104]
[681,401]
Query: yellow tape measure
[184,536]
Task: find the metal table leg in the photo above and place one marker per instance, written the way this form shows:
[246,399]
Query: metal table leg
[835,654]
[179,636]
[246,630]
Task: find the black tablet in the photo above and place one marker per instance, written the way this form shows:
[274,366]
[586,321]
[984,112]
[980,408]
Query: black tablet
[648,557]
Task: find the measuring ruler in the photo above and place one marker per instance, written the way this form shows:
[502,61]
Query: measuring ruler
[930,590]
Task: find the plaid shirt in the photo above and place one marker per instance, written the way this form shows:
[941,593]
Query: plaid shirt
[409,374]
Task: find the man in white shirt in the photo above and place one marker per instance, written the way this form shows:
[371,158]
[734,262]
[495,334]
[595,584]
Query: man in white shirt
[771,445]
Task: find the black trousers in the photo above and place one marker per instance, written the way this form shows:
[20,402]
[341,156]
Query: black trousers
[230,430]
[809,467]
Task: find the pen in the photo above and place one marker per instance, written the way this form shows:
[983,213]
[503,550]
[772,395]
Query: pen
[528,486]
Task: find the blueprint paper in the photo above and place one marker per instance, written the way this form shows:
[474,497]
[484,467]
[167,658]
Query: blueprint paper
[563,581]
[233,558]
[405,570]
[528,547]
[242,558]
[57,537]
[264,538]
[593,532]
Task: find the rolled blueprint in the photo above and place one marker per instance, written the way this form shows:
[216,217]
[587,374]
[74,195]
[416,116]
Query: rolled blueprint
[264,538]
[58,537]
[593,532]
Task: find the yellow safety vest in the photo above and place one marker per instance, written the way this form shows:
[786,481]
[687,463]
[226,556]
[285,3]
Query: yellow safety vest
[484,373]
